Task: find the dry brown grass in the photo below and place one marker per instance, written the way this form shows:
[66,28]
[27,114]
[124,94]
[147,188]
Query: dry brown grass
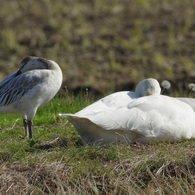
[141,174]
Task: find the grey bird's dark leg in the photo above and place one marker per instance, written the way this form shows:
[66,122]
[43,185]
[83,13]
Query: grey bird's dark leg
[25,127]
[28,128]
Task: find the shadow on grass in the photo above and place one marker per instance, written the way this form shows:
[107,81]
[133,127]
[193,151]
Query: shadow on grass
[58,142]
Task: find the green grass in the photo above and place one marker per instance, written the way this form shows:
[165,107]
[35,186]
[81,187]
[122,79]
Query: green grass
[57,162]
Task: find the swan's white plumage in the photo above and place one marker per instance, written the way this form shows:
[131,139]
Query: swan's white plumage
[189,101]
[34,84]
[127,117]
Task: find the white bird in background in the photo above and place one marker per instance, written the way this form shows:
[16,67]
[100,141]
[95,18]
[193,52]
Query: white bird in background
[166,85]
[34,84]
[191,87]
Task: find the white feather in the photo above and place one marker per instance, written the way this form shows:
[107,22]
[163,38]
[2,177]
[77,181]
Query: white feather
[189,101]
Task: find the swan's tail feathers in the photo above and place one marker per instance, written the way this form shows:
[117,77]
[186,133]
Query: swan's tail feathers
[91,133]
[78,122]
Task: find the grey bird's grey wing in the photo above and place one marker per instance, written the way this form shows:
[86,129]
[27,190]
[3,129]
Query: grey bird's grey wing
[14,87]
[7,79]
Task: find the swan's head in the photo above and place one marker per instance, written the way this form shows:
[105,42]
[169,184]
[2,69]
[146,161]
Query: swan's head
[32,63]
[148,87]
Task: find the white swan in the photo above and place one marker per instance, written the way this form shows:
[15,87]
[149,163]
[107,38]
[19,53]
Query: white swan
[127,117]
[34,84]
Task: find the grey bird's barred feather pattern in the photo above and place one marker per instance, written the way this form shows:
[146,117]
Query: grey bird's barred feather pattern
[14,87]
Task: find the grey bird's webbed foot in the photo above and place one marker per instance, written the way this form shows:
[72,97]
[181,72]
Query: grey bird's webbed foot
[28,128]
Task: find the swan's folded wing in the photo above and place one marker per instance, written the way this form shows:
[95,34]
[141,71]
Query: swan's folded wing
[14,88]
[110,102]
[7,80]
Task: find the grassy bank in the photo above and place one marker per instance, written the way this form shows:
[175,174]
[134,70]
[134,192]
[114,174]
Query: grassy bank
[57,162]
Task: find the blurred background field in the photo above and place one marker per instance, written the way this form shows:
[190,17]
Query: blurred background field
[101,46]
[104,46]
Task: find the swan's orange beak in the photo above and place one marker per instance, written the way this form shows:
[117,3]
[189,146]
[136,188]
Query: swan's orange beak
[148,94]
